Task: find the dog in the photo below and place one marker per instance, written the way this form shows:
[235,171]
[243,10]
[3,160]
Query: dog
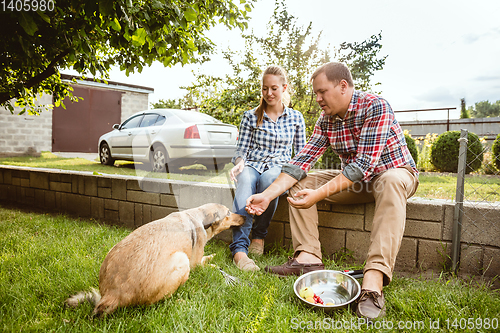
[156,258]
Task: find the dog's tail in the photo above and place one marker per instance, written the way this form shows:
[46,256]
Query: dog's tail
[93,296]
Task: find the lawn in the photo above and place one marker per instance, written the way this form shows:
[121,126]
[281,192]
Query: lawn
[432,185]
[44,258]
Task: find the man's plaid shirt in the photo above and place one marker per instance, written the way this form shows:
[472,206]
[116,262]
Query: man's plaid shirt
[271,143]
[369,140]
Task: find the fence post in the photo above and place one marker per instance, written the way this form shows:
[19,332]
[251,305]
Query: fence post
[459,201]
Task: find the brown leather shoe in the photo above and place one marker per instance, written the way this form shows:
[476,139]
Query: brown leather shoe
[293,267]
[371,304]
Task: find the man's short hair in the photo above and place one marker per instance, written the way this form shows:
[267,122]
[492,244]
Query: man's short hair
[335,72]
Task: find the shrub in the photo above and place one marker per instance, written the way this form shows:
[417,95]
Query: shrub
[445,152]
[329,160]
[496,152]
[412,147]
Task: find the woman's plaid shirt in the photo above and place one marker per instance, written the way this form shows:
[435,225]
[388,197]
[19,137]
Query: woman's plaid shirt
[271,143]
[368,140]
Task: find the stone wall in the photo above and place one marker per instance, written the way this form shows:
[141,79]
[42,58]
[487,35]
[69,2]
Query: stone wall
[133,201]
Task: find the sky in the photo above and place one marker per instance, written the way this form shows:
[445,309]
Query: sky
[439,51]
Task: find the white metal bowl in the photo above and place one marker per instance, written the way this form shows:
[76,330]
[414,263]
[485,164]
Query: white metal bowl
[332,286]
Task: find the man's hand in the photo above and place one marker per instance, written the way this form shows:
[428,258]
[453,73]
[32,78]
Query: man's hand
[257,204]
[304,199]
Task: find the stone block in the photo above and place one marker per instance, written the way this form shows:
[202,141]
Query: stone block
[159,212]
[449,210]
[226,236]
[90,186]
[126,214]
[60,186]
[407,255]
[358,209]
[433,211]
[282,213]
[110,204]
[324,205]
[112,216]
[77,204]
[138,215]
[104,192]
[143,197]
[119,189]
[275,234]
[146,214]
[332,240]
[133,184]
[471,259]
[433,254]
[168,200]
[423,229]
[154,186]
[40,198]
[97,208]
[39,180]
[1,176]
[50,199]
[194,195]
[480,225]
[7,176]
[491,262]
[103,182]
[340,220]
[358,242]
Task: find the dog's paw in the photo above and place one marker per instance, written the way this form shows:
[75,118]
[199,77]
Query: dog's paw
[206,259]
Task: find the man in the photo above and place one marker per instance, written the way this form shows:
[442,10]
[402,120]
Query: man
[376,166]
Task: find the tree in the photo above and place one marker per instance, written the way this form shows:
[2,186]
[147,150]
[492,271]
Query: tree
[167,104]
[295,48]
[90,36]
[485,109]
[464,113]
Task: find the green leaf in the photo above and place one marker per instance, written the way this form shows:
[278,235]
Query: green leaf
[115,24]
[43,16]
[190,14]
[140,36]
[29,26]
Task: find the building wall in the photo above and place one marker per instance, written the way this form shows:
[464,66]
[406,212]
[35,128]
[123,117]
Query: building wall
[28,135]
[25,134]
[483,127]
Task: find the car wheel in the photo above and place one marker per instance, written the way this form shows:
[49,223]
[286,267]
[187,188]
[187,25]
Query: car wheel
[105,155]
[159,159]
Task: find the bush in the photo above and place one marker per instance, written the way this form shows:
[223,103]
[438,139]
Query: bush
[496,152]
[412,147]
[329,160]
[445,152]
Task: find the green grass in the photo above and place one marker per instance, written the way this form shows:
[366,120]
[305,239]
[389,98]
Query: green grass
[434,186]
[44,258]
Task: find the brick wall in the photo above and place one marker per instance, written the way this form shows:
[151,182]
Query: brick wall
[25,134]
[133,201]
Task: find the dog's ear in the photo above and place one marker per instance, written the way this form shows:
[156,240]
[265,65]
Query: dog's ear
[210,219]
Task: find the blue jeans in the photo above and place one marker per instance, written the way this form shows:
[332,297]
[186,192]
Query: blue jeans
[249,182]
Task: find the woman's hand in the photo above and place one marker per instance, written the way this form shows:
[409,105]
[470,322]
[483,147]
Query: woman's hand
[237,169]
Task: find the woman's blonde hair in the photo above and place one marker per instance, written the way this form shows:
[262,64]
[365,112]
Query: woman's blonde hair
[281,73]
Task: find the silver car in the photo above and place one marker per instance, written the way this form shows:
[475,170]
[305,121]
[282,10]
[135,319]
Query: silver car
[168,137]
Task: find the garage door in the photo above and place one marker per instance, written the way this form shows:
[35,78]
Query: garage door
[78,127]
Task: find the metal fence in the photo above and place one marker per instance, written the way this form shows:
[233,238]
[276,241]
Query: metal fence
[476,222]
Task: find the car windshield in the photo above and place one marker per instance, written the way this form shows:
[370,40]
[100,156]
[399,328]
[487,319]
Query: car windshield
[197,117]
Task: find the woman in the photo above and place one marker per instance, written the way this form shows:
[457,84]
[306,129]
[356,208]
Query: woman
[267,136]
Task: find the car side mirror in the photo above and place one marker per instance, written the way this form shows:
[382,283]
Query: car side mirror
[116,126]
